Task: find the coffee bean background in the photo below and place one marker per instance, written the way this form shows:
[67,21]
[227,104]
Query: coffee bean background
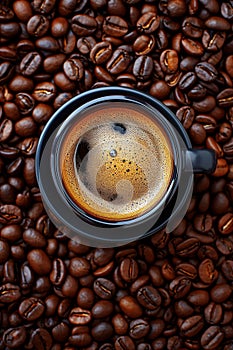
[170,291]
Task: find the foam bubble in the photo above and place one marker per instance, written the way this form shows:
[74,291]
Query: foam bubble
[127,183]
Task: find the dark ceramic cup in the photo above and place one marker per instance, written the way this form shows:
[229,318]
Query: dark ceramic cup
[115,165]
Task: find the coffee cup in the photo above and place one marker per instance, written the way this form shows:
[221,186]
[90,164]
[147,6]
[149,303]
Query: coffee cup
[115,165]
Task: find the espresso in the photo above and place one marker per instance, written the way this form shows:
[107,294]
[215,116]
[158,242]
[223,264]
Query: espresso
[116,161]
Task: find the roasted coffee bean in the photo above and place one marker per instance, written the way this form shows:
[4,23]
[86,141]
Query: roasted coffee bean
[198,297]
[198,92]
[225,98]
[79,316]
[207,271]
[213,41]
[79,267]
[30,63]
[148,23]
[102,331]
[39,261]
[115,26]
[212,338]
[24,102]
[119,61]
[213,313]
[206,71]
[149,297]
[59,27]
[124,343]
[143,67]
[73,68]
[169,61]
[144,44]
[192,47]
[83,25]
[120,324]
[41,339]
[58,273]
[217,23]
[101,52]
[208,122]
[20,83]
[31,309]
[225,224]
[180,286]
[192,326]
[192,27]
[14,337]
[104,288]
[139,328]
[224,245]
[102,309]
[47,43]
[44,92]
[129,269]
[130,307]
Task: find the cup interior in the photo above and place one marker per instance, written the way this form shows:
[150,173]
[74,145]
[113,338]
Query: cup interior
[116,159]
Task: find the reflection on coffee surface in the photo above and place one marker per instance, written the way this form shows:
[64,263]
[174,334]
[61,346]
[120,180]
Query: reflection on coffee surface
[116,162]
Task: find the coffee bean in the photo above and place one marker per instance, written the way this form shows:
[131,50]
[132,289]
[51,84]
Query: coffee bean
[79,316]
[224,245]
[180,286]
[192,47]
[73,68]
[30,63]
[217,23]
[213,313]
[79,267]
[129,269]
[58,273]
[149,297]
[139,328]
[9,293]
[115,26]
[104,288]
[102,331]
[227,269]
[14,337]
[102,309]
[124,343]
[206,71]
[39,261]
[148,23]
[31,309]
[225,224]
[142,68]
[83,25]
[41,339]
[192,326]
[130,307]
[118,62]
[20,83]
[207,271]
[220,292]
[44,92]
[224,98]
[198,297]
[212,338]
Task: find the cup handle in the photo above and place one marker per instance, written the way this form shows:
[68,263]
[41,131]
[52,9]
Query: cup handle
[203,160]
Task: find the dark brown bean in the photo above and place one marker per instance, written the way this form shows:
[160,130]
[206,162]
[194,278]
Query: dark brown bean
[39,261]
[31,309]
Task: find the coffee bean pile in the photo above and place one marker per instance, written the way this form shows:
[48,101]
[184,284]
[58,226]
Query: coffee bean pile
[170,291]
